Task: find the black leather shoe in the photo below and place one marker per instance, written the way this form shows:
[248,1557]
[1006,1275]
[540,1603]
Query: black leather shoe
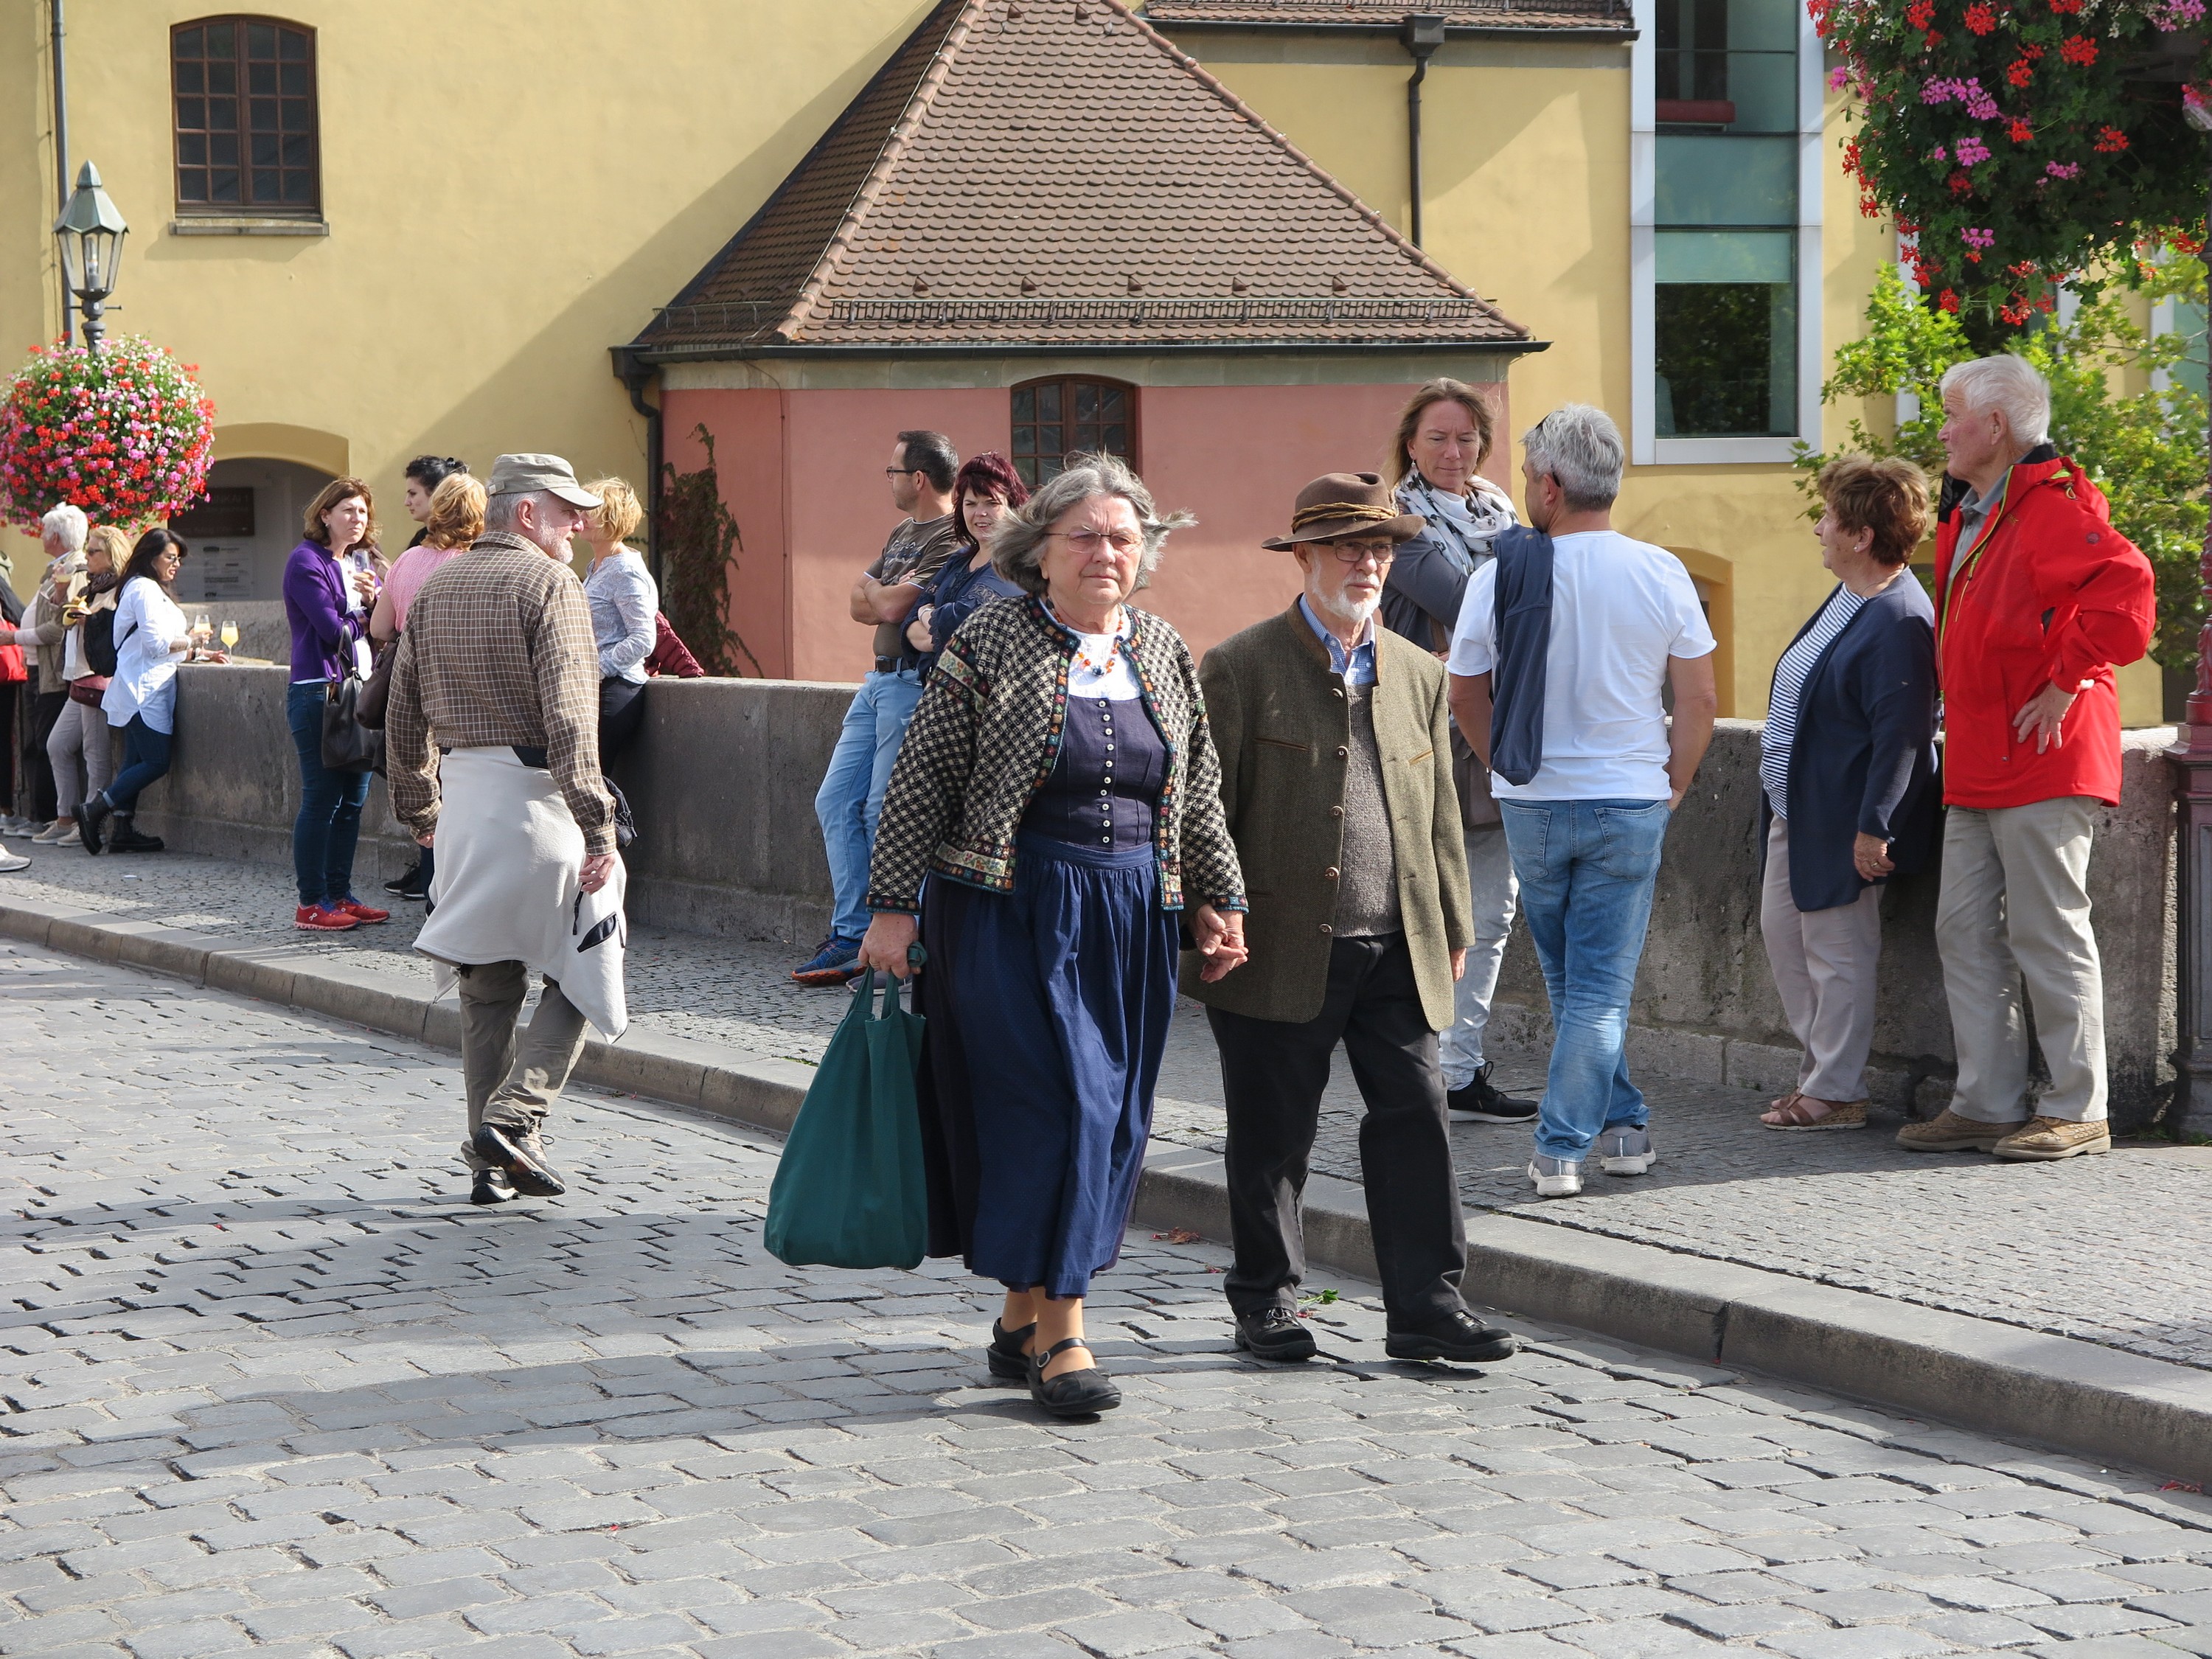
[409,886]
[89,816]
[1007,1355]
[1457,1335]
[1483,1101]
[123,837]
[491,1187]
[505,1149]
[1083,1393]
[1275,1332]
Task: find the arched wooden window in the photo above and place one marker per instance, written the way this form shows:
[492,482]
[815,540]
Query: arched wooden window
[1055,418]
[245,118]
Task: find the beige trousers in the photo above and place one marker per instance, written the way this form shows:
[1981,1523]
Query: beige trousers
[511,1082]
[1824,963]
[2014,911]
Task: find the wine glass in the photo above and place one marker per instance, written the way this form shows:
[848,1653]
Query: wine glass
[201,631]
[229,633]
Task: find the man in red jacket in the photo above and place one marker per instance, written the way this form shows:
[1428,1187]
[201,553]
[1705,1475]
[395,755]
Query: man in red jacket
[2038,598]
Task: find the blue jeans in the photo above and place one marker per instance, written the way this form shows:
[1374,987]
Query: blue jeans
[1586,869]
[328,828]
[851,798]
[145,759]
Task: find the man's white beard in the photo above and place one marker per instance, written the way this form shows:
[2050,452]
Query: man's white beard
[1353,612]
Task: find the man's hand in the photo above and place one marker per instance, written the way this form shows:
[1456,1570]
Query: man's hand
[2041,715]
[1220,936]
[596,869]
[889,937]
[427,838]
[1459,963]
[1870,853]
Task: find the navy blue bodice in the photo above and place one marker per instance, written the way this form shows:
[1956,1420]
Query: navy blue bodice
[1111,769]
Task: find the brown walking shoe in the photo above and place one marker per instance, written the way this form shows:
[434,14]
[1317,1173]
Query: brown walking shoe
[1949,1132]
[2042,1140]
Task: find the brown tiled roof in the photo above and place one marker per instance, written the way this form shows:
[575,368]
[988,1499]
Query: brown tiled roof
[1054,172]
[1482,16]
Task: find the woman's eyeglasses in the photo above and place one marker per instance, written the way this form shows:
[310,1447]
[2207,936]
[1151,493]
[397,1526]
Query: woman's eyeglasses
[1088,542]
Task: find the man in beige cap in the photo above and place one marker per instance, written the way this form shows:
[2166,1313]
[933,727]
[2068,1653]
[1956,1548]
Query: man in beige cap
[1336,779]
[497,659]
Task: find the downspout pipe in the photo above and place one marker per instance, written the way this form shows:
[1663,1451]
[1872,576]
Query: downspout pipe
[1422,32]
[636,375]
[61,143]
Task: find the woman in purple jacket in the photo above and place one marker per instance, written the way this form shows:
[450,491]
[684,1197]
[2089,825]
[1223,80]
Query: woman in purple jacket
[326,629]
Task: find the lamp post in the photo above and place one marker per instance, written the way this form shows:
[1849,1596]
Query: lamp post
[91,231]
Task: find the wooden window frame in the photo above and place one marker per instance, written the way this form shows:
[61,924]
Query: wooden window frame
[246,207]
[1132,403]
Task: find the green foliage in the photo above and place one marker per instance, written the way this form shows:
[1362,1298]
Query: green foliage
[699,546]
[2145,449]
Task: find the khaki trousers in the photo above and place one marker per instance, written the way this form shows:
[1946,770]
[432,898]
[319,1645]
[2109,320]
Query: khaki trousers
[1824,963]
[510,1083]
[2015,911]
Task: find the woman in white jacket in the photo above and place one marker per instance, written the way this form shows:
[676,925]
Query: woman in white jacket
[151,637]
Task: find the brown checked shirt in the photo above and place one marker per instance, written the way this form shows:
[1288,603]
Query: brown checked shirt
[498,651]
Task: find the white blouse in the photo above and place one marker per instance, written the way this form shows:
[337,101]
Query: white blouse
[147,623]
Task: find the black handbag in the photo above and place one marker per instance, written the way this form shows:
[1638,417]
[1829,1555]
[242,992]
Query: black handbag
[348,745]
[376,691]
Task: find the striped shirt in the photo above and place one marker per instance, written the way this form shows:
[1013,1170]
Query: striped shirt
[1781,733]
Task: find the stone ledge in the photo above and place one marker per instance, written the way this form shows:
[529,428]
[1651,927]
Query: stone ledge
[1991,1377]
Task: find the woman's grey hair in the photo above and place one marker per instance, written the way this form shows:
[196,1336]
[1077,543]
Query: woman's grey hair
[1581,448]
[66,525]
[2009,386]
[1018,544]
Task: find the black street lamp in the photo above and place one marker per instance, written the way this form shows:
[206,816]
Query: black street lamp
[91,233]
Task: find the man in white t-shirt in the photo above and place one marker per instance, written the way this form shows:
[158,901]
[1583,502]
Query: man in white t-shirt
[1586,825]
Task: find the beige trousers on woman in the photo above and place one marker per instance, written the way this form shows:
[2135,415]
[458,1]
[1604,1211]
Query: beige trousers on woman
[1824,963]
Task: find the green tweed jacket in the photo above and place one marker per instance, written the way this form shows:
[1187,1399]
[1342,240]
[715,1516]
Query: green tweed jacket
[1283,730]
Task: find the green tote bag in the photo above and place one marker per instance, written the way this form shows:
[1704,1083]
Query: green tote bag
[848,1191]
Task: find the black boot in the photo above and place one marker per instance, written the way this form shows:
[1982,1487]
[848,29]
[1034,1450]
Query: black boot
[93,813]
[124,837]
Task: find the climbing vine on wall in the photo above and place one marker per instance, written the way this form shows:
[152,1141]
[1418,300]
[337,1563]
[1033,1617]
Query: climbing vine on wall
[699,544]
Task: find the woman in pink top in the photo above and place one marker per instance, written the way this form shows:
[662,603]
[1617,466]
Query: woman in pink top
[457,517]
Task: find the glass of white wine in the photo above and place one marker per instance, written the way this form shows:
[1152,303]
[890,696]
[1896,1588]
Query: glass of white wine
[230,635]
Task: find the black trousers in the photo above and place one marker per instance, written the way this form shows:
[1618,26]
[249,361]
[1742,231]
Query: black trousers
[1273,1073]
[622,712]
[46,708]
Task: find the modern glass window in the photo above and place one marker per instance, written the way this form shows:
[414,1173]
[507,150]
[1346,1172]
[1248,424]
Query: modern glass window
[1057,418]
[1725,314]
[245,118]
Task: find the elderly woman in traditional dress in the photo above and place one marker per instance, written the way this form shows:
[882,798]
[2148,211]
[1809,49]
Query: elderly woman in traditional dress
[1058,789]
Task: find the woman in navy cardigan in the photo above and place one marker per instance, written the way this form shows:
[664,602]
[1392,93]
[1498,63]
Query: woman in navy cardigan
[1847,775]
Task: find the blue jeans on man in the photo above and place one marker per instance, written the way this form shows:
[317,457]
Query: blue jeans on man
[328,829]
[851,798]
[1586,869]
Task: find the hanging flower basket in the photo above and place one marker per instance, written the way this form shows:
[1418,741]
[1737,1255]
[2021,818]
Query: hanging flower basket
[124,433]
[2021,142]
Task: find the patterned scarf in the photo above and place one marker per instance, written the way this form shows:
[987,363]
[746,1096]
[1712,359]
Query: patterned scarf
[1466,524]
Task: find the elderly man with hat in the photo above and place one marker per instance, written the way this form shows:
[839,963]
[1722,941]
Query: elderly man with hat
[498,661]
[1337,784]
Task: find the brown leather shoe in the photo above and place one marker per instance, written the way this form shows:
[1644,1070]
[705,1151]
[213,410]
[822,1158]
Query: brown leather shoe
[1949,1132]
[2044,1139]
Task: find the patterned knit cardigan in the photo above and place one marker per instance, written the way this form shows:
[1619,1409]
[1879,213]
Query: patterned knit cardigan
[987,736]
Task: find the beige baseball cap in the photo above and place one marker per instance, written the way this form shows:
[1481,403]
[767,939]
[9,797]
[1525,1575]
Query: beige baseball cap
[514,475]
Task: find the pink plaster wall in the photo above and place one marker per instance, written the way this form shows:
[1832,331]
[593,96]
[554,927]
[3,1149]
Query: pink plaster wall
[802,472]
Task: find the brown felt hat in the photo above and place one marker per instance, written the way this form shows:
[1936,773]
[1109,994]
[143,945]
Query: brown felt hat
[1341,504]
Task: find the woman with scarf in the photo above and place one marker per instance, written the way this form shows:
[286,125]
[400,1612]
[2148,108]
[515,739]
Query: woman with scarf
[1444,433]
[79,748]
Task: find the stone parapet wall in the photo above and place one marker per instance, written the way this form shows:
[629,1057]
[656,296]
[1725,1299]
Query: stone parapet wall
[722,782]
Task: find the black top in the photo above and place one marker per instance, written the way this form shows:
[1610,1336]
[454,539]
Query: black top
[957,594]
[1111,769]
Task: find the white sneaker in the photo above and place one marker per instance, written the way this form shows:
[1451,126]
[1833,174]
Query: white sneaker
[1555,1177]
[1625,1151]
[55,834]
[13,861]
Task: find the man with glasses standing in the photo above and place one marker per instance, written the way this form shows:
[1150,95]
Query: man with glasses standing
[923,465]
[1336,781]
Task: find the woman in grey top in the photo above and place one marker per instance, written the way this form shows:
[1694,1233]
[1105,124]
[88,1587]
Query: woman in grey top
[624,601]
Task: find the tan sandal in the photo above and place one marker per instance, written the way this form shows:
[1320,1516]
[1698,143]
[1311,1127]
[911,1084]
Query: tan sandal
[1781,1103]
[1798,1115]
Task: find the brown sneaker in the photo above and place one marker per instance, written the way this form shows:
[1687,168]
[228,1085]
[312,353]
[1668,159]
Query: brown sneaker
[2041,1139]
[1949,1132]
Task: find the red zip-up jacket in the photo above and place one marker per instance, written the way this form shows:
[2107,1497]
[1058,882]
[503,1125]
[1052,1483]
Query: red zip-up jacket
[2049,595]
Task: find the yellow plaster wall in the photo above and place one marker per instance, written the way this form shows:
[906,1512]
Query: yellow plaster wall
[511,186]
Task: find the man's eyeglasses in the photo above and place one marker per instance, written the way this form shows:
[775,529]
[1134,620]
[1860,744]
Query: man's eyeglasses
[1087,542]
[899,471]
[1358,553]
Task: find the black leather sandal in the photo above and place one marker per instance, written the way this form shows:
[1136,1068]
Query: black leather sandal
[1083,1393]
[1007,1356]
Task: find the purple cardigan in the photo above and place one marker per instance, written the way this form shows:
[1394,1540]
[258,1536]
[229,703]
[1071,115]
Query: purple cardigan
[323,630]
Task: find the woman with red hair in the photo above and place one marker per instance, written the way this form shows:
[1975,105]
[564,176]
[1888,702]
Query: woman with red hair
[986,488]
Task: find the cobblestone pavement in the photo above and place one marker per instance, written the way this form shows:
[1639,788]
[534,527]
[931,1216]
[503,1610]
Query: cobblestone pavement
[269,1384]
[2110,1250]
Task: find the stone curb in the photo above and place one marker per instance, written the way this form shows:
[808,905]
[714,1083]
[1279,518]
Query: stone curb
[1993,1378]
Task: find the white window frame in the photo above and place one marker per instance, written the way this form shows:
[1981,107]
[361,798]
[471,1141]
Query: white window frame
[1646,448]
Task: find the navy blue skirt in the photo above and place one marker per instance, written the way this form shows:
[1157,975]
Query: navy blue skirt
[1049,1010]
